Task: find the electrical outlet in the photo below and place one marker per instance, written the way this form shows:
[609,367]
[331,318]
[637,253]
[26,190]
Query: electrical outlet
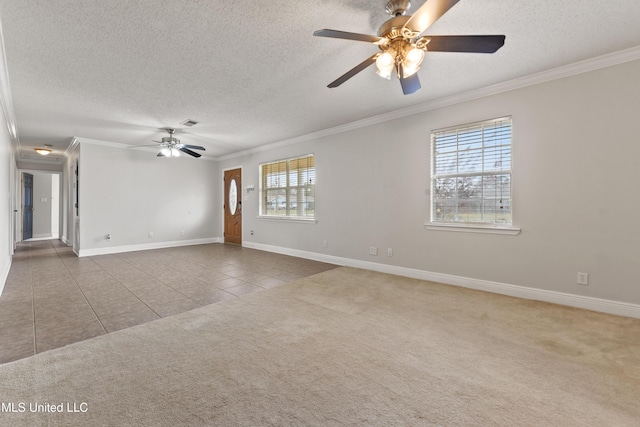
[325,244]
[583,278]
[389,252]
[373,250]
[151,234]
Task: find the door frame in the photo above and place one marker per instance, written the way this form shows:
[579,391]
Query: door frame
[240,197]
[17,226]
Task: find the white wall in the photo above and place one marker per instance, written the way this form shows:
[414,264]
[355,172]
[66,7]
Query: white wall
[68,194]
[55,205]
[42,205]
[7,169]
[130,193]
[576,145]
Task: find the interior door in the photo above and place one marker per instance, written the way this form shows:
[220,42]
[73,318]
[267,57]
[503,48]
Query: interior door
[233,206]
[27,206]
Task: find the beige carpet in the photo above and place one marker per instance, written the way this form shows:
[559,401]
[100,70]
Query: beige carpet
[344,347]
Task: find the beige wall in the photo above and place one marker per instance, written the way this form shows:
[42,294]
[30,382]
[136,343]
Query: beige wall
[131,193]
[576,145]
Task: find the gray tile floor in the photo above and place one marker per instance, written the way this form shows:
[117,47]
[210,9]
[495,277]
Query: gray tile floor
[53,298]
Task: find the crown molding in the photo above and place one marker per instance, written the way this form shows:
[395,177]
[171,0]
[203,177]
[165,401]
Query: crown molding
[71,147]
[592,64]
[81,140]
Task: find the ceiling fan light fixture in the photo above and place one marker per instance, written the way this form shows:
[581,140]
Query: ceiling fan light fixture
[411,62]
[414,56]
[385,63]
[172,147]
[409,71]
[401,36]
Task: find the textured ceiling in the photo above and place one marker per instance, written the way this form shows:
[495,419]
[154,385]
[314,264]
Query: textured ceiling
[251,73]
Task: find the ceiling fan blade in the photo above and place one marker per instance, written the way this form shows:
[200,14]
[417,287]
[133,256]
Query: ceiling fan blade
[352,72]
[471,44]
[189,152]
[161,154]
[410,84]
[428,13]
[194,147]
[347,35]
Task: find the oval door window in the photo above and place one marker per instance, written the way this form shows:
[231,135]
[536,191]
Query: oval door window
[233,196]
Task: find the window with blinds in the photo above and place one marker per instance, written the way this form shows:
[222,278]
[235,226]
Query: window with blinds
[471,174]
[287,188]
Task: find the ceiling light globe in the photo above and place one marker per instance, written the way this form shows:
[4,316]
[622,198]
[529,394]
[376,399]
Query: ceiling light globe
[385,72]
[385,60]
[409,70]
[414,56]
[385,63]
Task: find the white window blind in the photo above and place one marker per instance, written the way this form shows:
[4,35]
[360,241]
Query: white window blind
[287,188]
[471,174]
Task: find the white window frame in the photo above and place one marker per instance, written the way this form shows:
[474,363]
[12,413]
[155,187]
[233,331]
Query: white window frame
[291,214]
[482,226]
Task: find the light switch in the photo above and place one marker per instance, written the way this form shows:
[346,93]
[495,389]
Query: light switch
[43,199]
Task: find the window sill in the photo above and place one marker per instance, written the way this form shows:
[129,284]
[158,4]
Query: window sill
[289,219]
[488,229]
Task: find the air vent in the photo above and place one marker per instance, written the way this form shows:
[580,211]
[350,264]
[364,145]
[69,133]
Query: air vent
[189,123]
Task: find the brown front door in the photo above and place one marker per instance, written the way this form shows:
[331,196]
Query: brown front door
[233,206]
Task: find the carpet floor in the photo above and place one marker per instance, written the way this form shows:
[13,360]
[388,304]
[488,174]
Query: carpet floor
[343,347]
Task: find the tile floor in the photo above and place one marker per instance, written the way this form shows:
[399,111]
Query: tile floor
[53,298]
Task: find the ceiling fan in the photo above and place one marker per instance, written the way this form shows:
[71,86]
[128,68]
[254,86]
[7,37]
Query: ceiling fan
[171,146]
[403,46]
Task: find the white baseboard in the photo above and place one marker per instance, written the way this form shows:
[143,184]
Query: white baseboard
[41,237]
[578,301]
[4,274]
[144,247]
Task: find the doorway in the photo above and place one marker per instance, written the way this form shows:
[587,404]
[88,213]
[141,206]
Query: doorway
[39,209]
[27,206]
[233,206]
